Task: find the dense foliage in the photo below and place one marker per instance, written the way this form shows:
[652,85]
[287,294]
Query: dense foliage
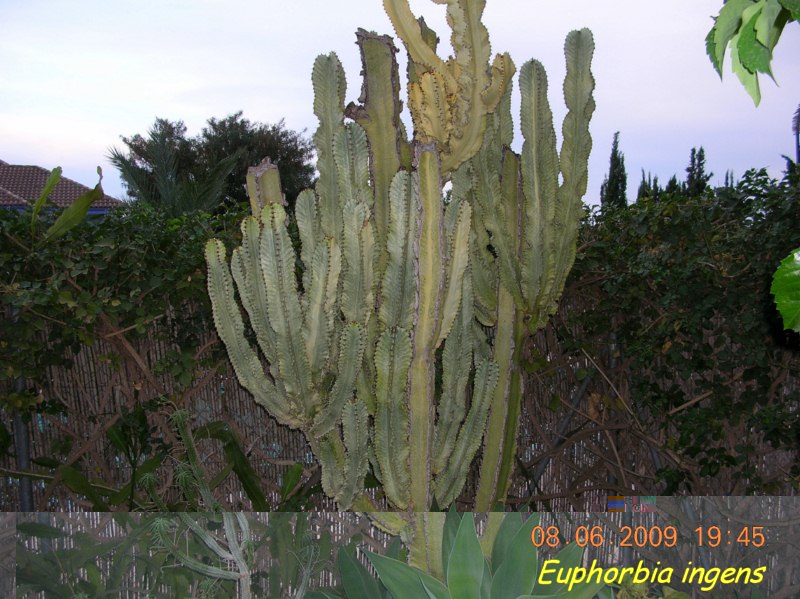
[169,169]
[682,284]
[110,279]
[123,271]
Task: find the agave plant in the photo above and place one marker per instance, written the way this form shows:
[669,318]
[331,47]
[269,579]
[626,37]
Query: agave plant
[502,564]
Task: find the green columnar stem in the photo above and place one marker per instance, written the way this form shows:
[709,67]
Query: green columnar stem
[426,330]
[498,413]
[512,414]
[379,115]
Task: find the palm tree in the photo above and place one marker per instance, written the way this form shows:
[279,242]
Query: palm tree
[161,185]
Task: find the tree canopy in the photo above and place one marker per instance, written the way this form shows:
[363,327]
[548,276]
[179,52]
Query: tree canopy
[695,185]
[168,168]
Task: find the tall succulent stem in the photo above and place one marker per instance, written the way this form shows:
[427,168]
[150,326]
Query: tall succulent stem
[399,350]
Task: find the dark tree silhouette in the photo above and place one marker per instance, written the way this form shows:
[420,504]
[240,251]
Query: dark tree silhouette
[182,173]
[613,190]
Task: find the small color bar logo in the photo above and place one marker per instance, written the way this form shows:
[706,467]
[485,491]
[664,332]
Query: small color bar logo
[620,503]
[615,503]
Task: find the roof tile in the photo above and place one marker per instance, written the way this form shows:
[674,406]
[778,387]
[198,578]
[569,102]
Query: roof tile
[21,184]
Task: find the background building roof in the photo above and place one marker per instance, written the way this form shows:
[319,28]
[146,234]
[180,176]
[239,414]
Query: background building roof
[21,185]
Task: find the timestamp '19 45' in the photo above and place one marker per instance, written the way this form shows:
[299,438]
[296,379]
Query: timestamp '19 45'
[646,536]
[714,536]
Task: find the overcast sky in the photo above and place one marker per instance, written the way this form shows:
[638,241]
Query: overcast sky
[76,75]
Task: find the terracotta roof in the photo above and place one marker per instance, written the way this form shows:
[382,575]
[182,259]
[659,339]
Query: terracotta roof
[21,185]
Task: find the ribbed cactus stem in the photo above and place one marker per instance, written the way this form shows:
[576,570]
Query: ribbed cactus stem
[381,353]
[426,326]
[498,414]
[379,115]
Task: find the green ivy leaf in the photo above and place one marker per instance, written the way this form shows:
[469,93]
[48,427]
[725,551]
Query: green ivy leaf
[786,289]
[748,79]
[754,56]
[793,6]
[711,50]
[726,26]
[769,27]
[46,461]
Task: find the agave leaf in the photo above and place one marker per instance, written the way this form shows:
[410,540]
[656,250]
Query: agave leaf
[358,583]
[511,524]
[517,573]
[404,581]
[465,563]
[452,521]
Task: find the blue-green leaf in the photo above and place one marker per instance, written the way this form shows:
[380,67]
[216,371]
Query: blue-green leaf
[517,573]
[451,523]
[486,583]
[404,581]
[466,562]
[358,583]
[511,524]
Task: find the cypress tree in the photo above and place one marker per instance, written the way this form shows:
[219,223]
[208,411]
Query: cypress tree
[648,187]
[613,189]
[696,177]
